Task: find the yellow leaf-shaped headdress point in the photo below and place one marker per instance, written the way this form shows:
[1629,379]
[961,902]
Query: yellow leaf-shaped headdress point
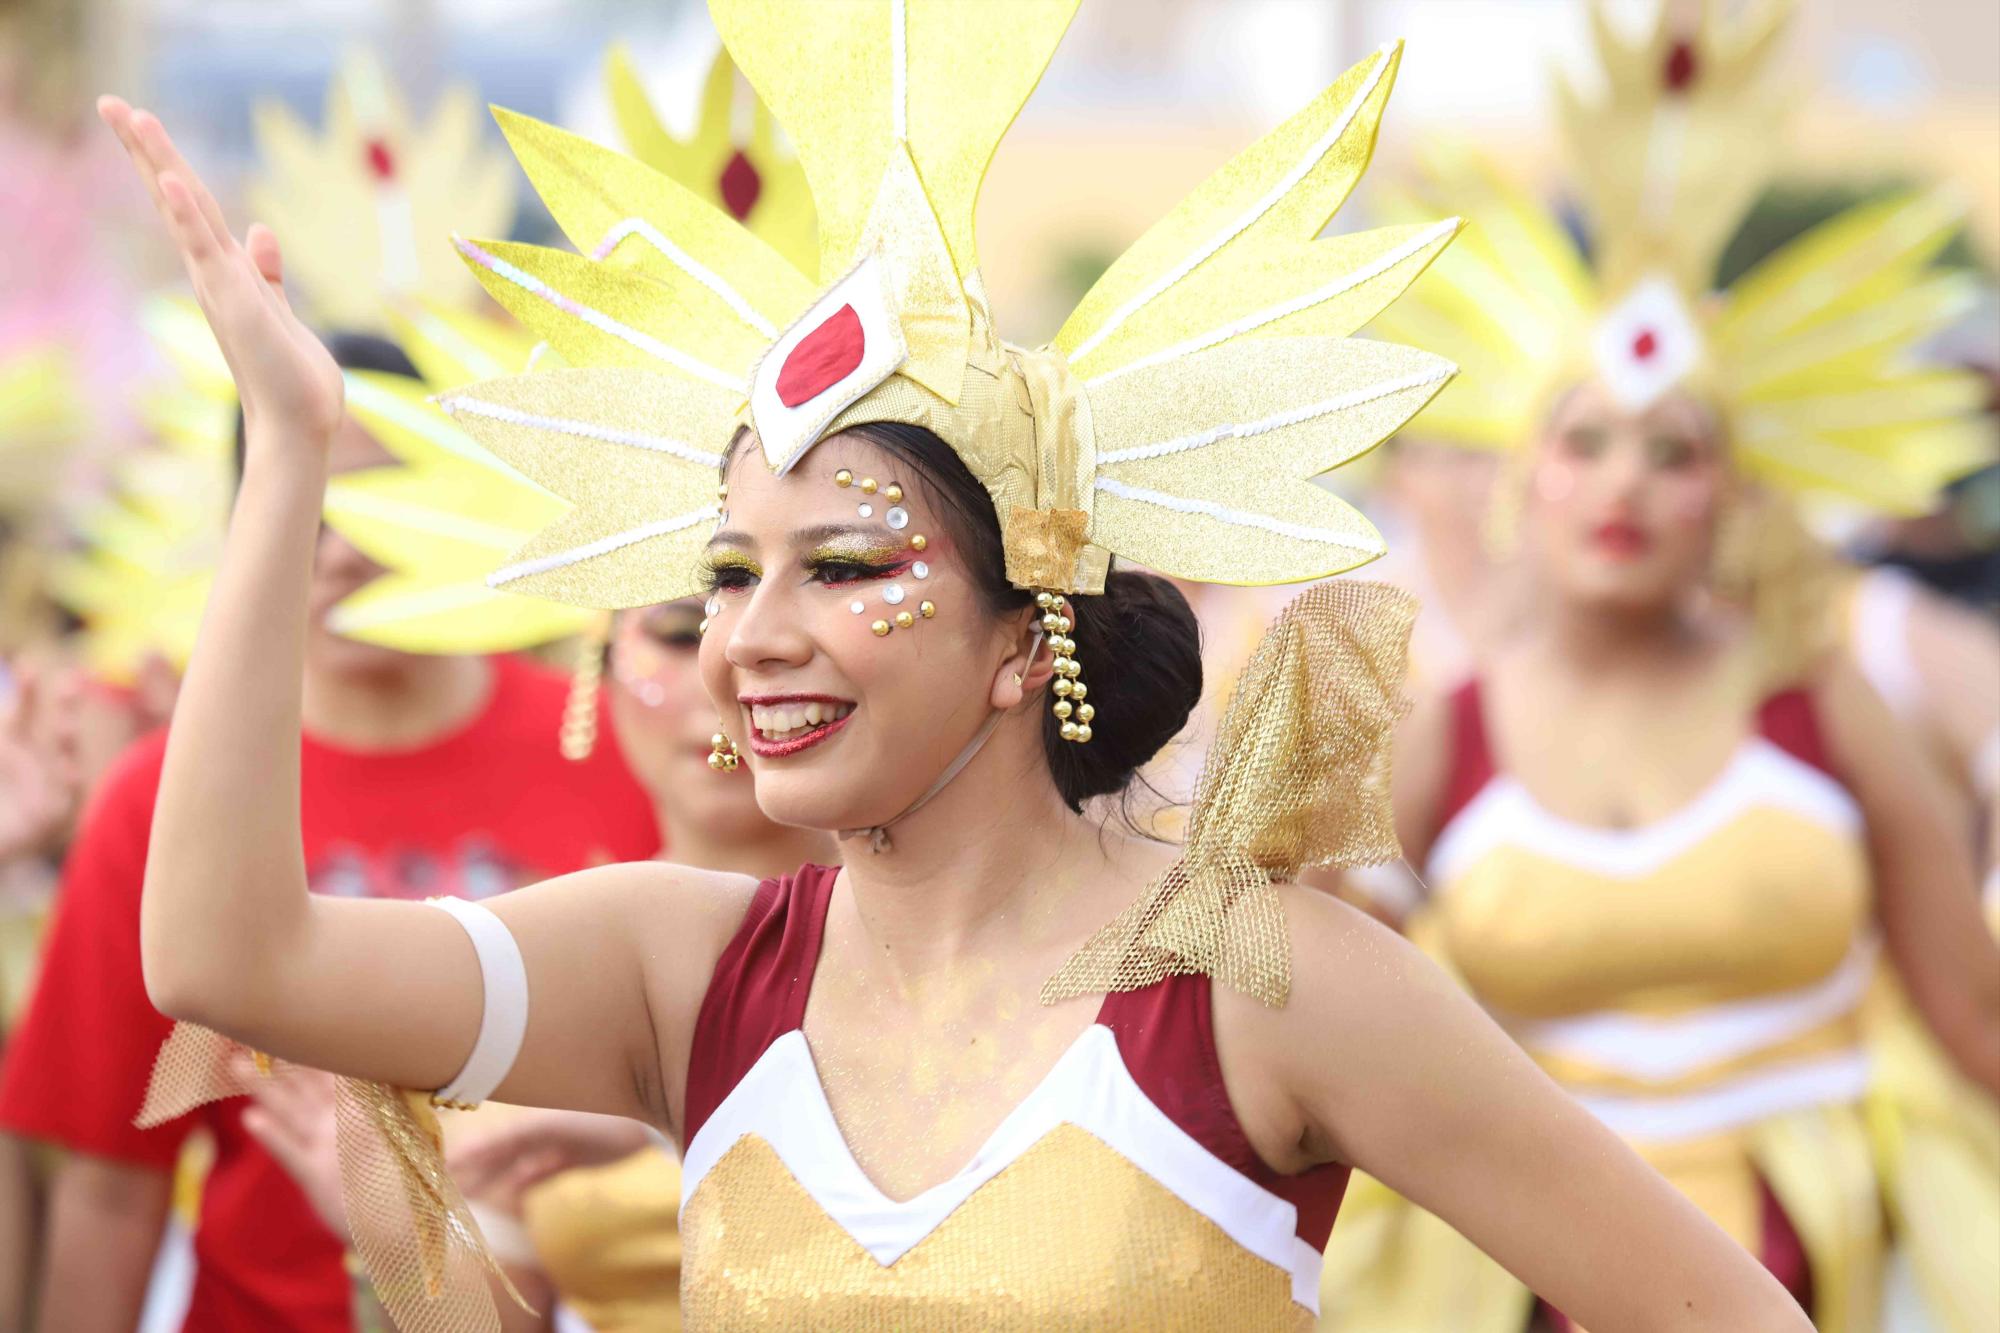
[732,160]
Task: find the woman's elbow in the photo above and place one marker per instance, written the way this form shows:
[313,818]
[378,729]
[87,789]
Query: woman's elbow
[179,991]
[190,982]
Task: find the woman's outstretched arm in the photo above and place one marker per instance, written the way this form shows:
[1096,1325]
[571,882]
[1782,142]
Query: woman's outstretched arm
[230,937]
[1387,1064]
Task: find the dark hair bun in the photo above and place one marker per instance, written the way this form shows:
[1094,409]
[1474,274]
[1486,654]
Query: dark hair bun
[1141,653]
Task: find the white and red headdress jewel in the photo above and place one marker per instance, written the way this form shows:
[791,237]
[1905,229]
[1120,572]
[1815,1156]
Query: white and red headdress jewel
[1175,419]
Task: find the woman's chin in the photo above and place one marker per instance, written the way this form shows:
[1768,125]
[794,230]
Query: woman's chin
[819,802]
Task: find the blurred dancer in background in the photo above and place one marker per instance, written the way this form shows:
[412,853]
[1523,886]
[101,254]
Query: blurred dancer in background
[407,785]
[1664,822]
[422,776]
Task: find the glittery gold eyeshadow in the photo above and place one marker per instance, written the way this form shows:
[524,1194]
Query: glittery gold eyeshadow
[856,553]
[717,561]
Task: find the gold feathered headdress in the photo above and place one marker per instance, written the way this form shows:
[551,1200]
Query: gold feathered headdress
[1176,419]
[1812,359]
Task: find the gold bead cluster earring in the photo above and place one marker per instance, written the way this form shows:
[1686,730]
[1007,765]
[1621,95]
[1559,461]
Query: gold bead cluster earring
[578,736]
[722,753]
[1070,707]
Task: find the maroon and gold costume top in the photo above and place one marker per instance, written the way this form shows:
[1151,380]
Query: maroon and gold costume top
[1121,1193]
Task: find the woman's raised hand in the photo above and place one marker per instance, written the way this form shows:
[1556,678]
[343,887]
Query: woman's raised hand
[288,383]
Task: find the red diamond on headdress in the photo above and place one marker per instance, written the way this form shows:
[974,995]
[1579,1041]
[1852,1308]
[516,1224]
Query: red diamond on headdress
[740,186]
[380,160]
[822,359]
[1645,345]
[1680,68]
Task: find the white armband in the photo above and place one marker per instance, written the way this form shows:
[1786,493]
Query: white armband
[505,1018]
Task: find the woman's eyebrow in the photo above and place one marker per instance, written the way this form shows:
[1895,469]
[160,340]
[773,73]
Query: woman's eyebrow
[822,532]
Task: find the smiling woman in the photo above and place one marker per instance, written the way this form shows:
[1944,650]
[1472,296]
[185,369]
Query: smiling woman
[926,556]
[1010,1068]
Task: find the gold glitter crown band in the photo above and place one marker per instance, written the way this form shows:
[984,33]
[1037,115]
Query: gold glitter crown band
[1175,420]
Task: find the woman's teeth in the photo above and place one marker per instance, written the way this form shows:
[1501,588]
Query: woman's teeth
[783,721]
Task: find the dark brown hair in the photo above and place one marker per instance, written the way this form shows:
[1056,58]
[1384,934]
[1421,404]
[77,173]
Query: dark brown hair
[1138,641]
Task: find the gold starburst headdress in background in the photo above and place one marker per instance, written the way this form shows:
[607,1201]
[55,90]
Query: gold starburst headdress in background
[362,207]
[1813,360]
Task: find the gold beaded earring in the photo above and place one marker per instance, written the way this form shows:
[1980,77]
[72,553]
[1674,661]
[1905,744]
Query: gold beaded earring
[578,736]
[1070,691]
[722,753]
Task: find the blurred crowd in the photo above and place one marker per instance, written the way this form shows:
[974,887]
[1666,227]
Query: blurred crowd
[1697,792]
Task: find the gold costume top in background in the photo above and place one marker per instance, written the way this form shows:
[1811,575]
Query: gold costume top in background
[1696,982]
[609,1239]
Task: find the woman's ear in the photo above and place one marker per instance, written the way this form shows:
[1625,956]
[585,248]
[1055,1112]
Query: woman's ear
[1025,670]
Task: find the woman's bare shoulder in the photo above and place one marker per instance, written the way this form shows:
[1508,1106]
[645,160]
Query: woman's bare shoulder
[699,907]
[1358,989]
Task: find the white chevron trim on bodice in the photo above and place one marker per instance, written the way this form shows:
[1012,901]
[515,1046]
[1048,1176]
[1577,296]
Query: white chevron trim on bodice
[1758,775]
[1676,1045]
[782,1101]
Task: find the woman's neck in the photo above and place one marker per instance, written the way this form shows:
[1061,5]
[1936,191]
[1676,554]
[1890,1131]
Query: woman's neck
[1591,638]
[771,850]
[402,706]
[995,865]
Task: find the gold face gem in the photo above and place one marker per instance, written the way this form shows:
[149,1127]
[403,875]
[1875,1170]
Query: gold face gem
[904,620]
[868,485]
[893,493]
[880,627]
[919,542]
[843,478]
[926,609]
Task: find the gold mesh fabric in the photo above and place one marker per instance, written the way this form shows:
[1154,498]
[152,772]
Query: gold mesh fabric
[1298,776]
[1070,1235]
[430,1266]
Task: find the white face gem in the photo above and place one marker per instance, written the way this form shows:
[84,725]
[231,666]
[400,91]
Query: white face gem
[893,594]
[921,570]
[714,605]
[856,607]
[897,518]
[866,511]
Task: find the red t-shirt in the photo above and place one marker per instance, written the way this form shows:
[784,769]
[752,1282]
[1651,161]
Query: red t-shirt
[485,809]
